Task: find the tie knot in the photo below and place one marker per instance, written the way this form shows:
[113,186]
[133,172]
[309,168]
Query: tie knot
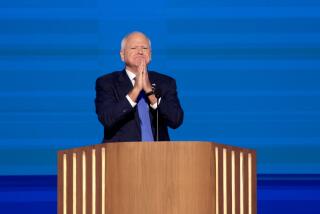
[142,96]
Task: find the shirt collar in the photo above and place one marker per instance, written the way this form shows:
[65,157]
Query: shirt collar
[131,75]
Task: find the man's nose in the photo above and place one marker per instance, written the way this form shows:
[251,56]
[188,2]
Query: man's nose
[140,50]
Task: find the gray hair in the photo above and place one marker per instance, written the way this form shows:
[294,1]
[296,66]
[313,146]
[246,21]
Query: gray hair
[124,40]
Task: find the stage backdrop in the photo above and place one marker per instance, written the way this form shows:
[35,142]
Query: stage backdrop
[248,74]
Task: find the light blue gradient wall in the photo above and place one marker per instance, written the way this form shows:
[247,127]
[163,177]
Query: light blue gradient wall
[248,74]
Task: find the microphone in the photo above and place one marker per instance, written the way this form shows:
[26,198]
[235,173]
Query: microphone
[156,91]
[153,86]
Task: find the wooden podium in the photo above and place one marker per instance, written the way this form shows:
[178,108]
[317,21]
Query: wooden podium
[157,178]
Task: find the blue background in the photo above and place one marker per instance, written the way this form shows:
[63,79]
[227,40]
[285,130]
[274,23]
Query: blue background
[248,75]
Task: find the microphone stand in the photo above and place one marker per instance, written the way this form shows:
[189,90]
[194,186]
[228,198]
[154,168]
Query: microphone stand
[157,126]
[157,94]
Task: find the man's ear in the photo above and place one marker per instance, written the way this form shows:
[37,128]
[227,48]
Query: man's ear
[122,55]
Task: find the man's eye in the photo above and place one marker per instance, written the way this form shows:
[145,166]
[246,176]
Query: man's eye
[133,48]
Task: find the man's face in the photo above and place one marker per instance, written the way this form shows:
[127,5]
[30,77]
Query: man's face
[137,49]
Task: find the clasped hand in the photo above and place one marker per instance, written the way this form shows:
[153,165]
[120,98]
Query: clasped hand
[142,81]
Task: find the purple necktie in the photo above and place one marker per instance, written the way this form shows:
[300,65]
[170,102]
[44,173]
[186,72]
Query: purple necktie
[143,110]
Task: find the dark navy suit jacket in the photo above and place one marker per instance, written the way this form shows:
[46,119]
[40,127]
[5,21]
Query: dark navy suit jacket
[121,121]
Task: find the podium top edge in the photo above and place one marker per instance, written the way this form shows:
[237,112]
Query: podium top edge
[104,145]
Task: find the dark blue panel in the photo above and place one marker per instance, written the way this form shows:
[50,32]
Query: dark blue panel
[244,26]
[243,3]
[31,4]
[51,26]
[277,194]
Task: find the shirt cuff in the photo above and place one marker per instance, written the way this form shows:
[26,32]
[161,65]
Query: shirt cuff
[133,104]
[155,105]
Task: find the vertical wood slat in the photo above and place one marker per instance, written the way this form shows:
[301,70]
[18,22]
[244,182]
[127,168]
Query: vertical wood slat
[74,182]
[237,182]
[79,182]
[224,178]
[254,184]
[89,181]
[233,183]
[65,187]
[69,202]
[103,180]
[108,179]
[94,182]
[98,181]
[84,182]
[229,182]
[245,182]
[220,169]
[249,184]
[216,150]
[241,185]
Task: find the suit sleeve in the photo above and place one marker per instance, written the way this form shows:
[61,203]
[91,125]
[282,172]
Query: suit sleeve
[110,107]
[169,107]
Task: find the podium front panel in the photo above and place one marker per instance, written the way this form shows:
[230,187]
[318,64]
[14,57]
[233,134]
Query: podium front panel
[157,178]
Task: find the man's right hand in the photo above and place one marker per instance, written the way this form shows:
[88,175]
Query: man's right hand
[138,85]
[140,75]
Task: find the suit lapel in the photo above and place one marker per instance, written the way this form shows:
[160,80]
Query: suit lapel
[124,86]
[151,78]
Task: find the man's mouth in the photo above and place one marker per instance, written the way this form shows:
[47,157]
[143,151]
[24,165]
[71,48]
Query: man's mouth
[139,58]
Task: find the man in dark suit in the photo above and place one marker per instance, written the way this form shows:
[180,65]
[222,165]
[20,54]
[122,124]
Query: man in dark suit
[136,104]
